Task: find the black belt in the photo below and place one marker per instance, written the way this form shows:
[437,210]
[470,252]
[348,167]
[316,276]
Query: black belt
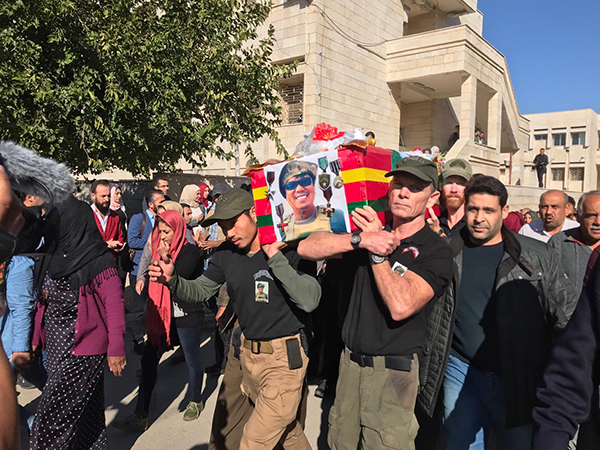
[403,363]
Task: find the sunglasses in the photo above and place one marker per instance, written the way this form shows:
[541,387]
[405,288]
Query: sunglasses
[304,182]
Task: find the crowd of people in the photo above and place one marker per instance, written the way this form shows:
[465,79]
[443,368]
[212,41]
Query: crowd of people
[458,324]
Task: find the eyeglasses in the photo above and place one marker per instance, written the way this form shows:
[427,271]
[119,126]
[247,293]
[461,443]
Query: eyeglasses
[304,182]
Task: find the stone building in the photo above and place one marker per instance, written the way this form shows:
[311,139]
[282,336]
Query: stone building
[571,140]
[408,70]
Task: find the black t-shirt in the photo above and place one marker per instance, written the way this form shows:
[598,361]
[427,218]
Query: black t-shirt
[475,330]
[265,311]
[369,328]
[446,228]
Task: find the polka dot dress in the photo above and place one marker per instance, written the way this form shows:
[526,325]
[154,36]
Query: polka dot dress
[71,410]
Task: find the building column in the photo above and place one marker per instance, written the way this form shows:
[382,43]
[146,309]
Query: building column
[468,107]
[494,132]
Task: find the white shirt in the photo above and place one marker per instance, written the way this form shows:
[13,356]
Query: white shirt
[536,230]
[103,220]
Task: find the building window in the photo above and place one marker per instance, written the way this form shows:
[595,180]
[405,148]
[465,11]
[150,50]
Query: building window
[558,174]
[577,173]
[560,139]
[541,137]
[292,98]
[578,138]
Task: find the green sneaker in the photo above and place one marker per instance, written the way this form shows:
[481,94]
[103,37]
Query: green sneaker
[132,423]
[193,410]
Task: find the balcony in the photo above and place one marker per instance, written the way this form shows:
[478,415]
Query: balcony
[454,76]
[450,7]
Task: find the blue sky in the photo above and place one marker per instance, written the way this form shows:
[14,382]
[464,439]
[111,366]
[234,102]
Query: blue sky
[552,48]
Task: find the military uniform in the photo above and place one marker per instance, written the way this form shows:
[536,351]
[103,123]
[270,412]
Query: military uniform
[298,229]
[273,351]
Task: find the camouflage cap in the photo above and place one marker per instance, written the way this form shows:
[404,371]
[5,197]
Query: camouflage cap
[260,285]
[294,169]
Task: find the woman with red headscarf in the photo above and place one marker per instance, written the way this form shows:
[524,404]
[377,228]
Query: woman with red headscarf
[204,190]
[170,322]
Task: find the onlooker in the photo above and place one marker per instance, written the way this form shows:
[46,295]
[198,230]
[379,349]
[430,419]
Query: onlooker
[170,321]
[140,228]
[162,185]
[370,135]
[571,209]
[192,196]
[575,246]
[553,217]
[396,274]
[85,326]
[570,386]
[509,296]
[514,221]
[456,173]
[117,205]
[454,137]
[540,162]
[189,230]
[530,216]
[107,221]
[479,136]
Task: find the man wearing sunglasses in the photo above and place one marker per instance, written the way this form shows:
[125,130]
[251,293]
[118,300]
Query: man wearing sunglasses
[297,185]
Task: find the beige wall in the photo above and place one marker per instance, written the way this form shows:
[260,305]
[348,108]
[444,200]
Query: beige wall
[577,156]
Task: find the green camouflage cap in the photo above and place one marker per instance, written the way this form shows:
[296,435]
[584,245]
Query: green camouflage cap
[420,167]
[231,203]
[294,169]
[459,167]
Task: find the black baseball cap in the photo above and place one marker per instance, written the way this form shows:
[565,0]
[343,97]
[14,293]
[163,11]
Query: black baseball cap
[231,203]
[420,167]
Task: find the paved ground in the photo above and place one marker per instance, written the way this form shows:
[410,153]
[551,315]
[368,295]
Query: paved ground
[167,429]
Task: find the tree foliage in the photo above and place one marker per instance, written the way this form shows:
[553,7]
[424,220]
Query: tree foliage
[136,84]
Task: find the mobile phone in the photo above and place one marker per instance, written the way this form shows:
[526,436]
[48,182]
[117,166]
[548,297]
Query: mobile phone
[293,353]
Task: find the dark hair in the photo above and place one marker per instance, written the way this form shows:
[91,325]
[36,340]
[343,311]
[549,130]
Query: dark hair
[570,200]
[370,134]
[151,195]
[97,183]
[185,205]
[156,180]
[246,187]
[487,185]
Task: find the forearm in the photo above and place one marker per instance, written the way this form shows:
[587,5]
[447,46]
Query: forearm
[399,293]
[323,245]
[21,302]
[192,291]
[9,412]
[303,289]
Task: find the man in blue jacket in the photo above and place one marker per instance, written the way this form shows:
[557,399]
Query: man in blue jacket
[570,387]
[140,228]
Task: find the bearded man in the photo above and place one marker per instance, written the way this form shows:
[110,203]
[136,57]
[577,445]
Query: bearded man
[456,173]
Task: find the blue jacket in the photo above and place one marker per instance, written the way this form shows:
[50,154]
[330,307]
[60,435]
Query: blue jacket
[16,325]
[573,373]
[134,240]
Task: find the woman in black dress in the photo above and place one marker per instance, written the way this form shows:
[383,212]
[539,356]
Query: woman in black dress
[84,321]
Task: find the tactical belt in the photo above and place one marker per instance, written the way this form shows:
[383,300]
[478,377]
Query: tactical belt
[403,363]
[258,347]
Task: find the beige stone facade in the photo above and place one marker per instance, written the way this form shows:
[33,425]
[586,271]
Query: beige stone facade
[407,70]
[571,140]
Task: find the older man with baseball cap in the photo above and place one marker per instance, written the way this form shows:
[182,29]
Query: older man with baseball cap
[274,350]
[395,274]
[456,173]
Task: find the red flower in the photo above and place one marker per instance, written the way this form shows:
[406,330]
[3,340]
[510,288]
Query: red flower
[325,132]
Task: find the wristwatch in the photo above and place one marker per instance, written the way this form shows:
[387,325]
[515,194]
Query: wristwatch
[355,240]
[377,259]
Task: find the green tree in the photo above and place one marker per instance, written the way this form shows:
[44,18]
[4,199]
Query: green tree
[136,84]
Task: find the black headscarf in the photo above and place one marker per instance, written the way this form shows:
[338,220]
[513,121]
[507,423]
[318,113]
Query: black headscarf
[81,252]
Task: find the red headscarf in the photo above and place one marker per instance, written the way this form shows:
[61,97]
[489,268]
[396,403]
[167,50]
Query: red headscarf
[159,296]
[203,188]
[514,221]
